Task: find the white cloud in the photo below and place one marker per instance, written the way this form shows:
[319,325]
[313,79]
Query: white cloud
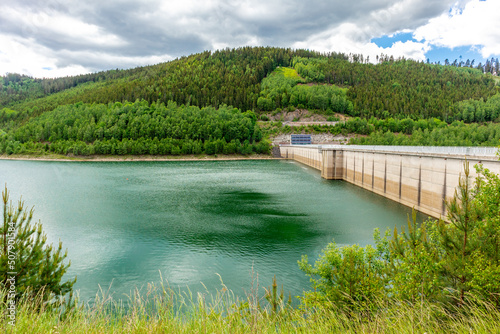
[474,23]
[91,35]
[113,61]
[59,27]
[410,49]
[349,38]
[24,56]
[354,36]
[266,11]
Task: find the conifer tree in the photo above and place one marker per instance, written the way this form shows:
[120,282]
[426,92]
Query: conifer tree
[415,265]
[27,263]
[485,266]
[459,238]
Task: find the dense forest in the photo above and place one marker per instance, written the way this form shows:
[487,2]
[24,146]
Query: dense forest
[229,77]
[284,88]
[138,128]
[401,88]
[399,93]
[405,132]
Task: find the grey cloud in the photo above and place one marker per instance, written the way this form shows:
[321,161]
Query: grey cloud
[94,62]
[415,14]
[40,5]
[148,31]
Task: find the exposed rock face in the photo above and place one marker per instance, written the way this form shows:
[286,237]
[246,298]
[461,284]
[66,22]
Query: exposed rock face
[321,138]
[301,115]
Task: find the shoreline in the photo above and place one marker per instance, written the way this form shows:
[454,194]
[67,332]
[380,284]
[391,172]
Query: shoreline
[128,158]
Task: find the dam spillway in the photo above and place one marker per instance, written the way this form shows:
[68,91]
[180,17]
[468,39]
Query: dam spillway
[421,177]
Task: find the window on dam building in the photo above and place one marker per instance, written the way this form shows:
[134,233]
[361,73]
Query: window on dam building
[300,139]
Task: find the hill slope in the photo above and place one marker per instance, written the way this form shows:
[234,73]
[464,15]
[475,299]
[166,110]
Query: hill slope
[258,79]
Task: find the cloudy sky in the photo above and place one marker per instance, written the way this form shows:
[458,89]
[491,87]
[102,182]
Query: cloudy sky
[50,38]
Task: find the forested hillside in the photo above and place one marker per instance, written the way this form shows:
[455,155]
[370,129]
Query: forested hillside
[284,88]
[260,79]
[138,128]
[229,77]
[401,88]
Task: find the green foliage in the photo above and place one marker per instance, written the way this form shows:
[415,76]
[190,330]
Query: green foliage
[16,87]
[229,77]
[310,69]
[163,310]
[431,132]
[459,239]
[478,110]
[27,263]
[284,88]
[349,275]
[288,72]
[276,301]
[402,88]
[455,262]
[137,128]
[332,119]
[414,263]
[485,259]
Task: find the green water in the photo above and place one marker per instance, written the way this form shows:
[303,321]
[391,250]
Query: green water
[125,222]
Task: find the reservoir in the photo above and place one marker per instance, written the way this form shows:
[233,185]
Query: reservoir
[127,224]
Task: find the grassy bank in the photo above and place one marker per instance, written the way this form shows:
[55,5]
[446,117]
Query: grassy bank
[171,312]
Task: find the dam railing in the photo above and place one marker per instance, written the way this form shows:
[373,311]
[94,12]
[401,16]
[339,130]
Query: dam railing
[462,151]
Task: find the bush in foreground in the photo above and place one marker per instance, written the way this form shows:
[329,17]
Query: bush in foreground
[435,262]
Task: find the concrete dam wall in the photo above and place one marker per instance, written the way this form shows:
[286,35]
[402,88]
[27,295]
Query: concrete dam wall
[419,177]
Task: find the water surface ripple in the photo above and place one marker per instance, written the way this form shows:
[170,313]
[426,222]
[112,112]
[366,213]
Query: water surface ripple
[125,222]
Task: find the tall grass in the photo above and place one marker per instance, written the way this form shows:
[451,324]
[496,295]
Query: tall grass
[160,309]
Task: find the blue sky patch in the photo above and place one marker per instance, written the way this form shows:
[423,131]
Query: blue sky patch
[436,54]
[386,41]
[467,52]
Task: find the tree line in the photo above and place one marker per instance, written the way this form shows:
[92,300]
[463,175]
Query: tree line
[400,89]
[456,134]
[137,128]
[404,132]
[16,87]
